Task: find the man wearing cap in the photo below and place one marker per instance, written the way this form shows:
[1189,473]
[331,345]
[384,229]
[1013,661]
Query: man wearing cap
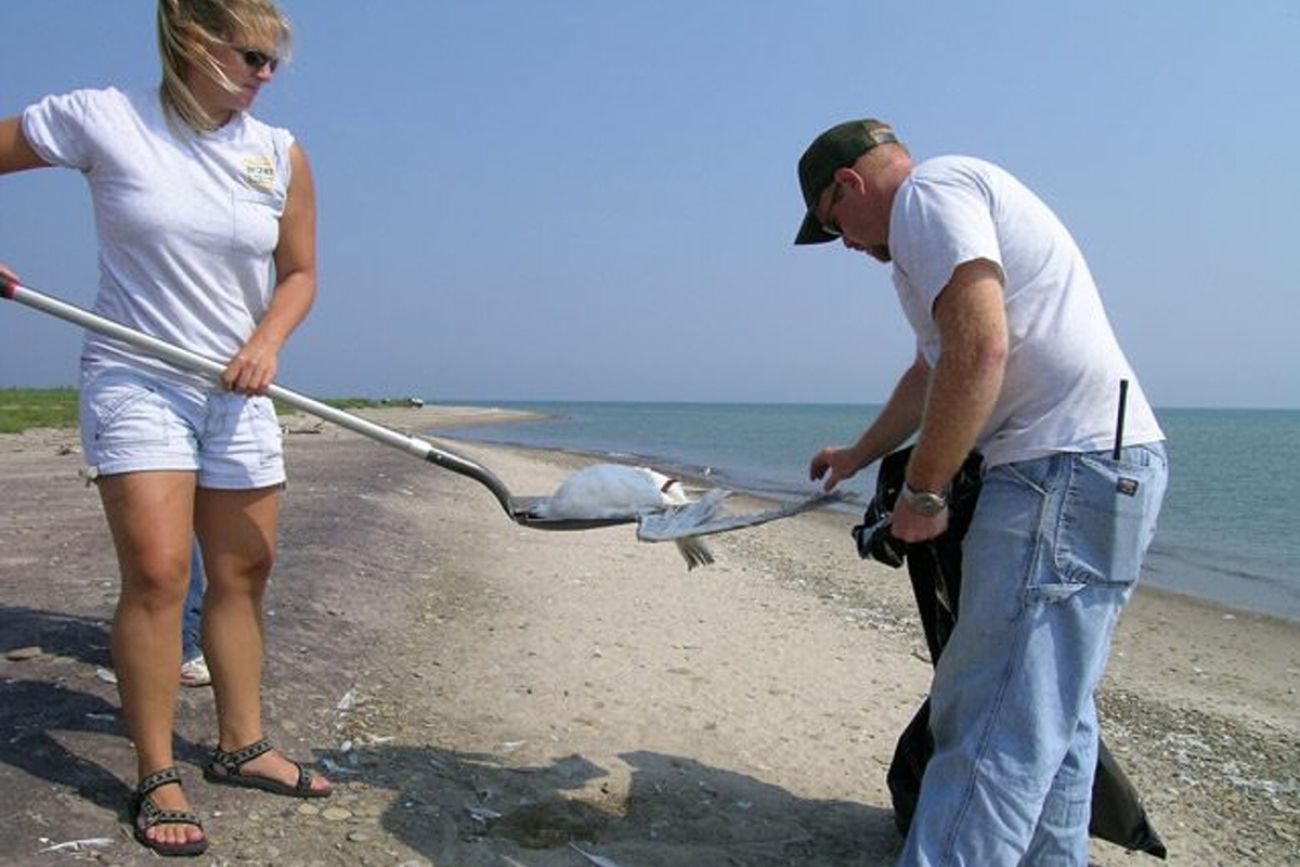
[1015,358]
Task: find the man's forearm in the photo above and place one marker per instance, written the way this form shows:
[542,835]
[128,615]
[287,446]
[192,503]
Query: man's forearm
[958,404]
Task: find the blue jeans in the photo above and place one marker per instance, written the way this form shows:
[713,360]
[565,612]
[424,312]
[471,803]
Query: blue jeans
[193,615]
[1051,558]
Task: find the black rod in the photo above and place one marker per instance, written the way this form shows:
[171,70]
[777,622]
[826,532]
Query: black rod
[1119,422]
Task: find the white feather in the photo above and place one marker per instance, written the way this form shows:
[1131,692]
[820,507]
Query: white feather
[598,860]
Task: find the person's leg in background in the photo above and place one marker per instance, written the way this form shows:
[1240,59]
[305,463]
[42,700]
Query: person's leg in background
[194,668]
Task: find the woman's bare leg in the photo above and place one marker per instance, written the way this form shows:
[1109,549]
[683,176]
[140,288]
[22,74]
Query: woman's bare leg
[237,531]
[149,515]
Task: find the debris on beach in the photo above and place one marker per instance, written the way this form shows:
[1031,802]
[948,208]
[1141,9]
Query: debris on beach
[482,814]
[77,845]
[598,860]
[334,769]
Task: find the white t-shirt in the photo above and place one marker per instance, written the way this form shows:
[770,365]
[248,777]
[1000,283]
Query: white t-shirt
[187,222]
[1061,387]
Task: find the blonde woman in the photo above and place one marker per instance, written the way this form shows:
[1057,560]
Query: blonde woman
[206,225]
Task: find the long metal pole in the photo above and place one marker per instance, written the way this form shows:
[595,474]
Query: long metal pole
[202,364]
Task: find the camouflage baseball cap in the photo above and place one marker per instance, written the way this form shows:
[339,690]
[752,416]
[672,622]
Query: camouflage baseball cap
[839,146]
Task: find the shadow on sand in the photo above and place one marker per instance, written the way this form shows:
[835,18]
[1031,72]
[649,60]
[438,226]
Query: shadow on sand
[466,809]
[62,728]
[56,732]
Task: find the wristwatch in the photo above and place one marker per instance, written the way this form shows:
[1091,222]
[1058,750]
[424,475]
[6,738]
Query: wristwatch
[928,503]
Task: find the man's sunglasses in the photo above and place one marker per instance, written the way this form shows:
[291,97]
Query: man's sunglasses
[257,59]
[830,225]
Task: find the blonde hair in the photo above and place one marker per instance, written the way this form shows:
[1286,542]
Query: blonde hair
[187,32]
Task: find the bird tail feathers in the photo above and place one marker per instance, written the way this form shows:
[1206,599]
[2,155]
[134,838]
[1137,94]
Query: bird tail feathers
[694,551]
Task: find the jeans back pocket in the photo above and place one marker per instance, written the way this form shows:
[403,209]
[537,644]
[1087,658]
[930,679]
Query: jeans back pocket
[1109,515]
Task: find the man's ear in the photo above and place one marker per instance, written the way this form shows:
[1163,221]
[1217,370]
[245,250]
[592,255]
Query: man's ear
[849,176]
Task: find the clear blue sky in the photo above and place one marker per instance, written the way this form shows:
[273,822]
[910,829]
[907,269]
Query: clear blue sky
[583,200]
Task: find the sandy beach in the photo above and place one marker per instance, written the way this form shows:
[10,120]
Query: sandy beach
[486,694]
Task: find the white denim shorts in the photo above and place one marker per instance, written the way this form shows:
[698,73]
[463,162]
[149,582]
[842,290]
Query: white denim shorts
[132,421]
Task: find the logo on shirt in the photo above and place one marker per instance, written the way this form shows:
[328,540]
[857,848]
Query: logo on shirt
[259,173]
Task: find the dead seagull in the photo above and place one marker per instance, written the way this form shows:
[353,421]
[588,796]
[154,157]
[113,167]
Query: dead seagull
[622,491]
[660,506]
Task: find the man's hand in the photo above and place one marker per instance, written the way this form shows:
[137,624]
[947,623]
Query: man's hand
[910,525]
[836,464]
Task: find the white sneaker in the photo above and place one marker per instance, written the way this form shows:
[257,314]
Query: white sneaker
[194,672]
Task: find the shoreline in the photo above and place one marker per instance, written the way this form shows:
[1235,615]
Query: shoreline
[484,693]
[1160,560]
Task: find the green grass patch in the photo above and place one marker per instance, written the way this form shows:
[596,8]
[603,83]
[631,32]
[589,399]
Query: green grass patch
[336,402]
[23,408]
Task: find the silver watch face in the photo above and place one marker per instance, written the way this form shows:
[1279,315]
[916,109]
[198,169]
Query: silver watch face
[925,502]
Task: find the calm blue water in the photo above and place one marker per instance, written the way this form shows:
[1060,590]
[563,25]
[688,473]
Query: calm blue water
[1227,532]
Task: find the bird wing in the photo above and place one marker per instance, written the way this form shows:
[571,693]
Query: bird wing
[678,522]
[701,517]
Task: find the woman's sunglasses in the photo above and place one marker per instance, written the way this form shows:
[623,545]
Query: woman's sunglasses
[257,59]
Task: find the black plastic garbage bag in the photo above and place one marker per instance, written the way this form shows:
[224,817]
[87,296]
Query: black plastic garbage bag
[934,568]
